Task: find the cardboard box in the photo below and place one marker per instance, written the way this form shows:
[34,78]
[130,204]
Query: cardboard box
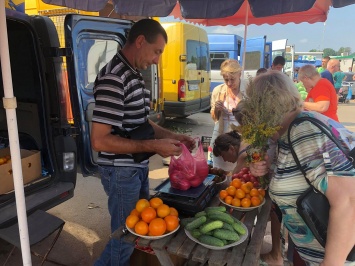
[31,169]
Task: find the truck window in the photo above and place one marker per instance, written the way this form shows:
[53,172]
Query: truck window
[197,53]
[217,59]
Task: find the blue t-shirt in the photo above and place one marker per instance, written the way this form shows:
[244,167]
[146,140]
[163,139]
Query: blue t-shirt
[327,75]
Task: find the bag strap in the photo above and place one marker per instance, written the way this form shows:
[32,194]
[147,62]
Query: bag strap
[324,129]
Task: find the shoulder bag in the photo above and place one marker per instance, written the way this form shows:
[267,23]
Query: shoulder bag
[312,205]
[143,131]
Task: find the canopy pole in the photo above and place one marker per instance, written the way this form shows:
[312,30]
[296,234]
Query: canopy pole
[245,37]
[10,107]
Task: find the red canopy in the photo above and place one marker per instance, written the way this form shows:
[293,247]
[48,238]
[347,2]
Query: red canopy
[317,13]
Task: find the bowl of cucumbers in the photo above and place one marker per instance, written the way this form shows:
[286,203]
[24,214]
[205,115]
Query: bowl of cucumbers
[216,229]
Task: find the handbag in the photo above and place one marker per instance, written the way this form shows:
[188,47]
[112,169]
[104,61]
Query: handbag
[312,205]
[143,131]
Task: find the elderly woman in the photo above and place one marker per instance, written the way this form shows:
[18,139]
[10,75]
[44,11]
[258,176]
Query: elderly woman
[288,182]
[225,98]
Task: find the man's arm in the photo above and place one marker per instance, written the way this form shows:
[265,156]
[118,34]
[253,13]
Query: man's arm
[321,106]
[103,140]
[162,133]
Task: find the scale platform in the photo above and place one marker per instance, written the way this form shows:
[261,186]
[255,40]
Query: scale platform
[189,201]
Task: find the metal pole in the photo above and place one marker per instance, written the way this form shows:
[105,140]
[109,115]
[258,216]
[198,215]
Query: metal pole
[245,37]
[10,106]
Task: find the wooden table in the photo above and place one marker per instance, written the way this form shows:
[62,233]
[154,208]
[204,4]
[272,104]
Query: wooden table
[179,244]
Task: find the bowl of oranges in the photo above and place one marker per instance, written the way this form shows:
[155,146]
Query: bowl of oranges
[152,219]
[242,196]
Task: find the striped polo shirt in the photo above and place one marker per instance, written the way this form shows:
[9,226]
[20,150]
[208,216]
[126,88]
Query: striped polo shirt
[122,101]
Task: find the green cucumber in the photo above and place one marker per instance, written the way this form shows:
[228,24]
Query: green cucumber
[228,227]
[211,240]
[218,208]
[221,216]
[196,233]
[185,221]
[196,223]
[226,234]
[239,228]
[210,226]
[201,213]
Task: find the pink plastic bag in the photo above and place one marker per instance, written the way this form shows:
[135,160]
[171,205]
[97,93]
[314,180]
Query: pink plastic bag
[188,170]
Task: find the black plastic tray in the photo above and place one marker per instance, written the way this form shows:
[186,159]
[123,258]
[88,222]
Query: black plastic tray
[194,192]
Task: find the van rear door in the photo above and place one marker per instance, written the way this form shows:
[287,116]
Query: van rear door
[93,41]
[191,70]
[205,71]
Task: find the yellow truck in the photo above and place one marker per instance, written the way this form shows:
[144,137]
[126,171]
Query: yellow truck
[185,70]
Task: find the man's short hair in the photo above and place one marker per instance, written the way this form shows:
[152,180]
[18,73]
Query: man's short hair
[261,70]
[279,60]
[149,28]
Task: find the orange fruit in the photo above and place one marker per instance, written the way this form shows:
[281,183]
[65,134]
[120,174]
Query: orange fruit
[135,212]
[262,191]
[163,210]
[255,201]
[172,222]
[223,193]
[261,197]
[247,195]
[131,220]
[148,214]
[239,193]
[236,202]
[157,227]
[254,192]
[236,182]
[174,212]
[155,202]
[250,184]
[246,188]
[228,199]
[231,190]
[245,203]
[141,228]
[142,204]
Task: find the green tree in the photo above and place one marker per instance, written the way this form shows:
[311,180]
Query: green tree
[315,50]
[344,51]
[329,52]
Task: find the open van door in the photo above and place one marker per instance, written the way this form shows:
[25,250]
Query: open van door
[93,42]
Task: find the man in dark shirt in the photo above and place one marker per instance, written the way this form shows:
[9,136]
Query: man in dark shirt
[332,67]
[278,63]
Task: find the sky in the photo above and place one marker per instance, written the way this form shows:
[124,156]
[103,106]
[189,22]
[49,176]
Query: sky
[338,31]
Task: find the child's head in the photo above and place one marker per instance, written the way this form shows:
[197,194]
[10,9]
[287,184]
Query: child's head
[227,145]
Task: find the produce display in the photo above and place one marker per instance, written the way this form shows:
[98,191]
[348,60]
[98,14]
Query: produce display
[220,174]
[243,191]
[302,90]
[152,218]
[215,227]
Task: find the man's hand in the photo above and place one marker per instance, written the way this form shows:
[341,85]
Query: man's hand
[167,147]
[189,142]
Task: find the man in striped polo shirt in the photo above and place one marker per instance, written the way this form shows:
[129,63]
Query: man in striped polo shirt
[122,103]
